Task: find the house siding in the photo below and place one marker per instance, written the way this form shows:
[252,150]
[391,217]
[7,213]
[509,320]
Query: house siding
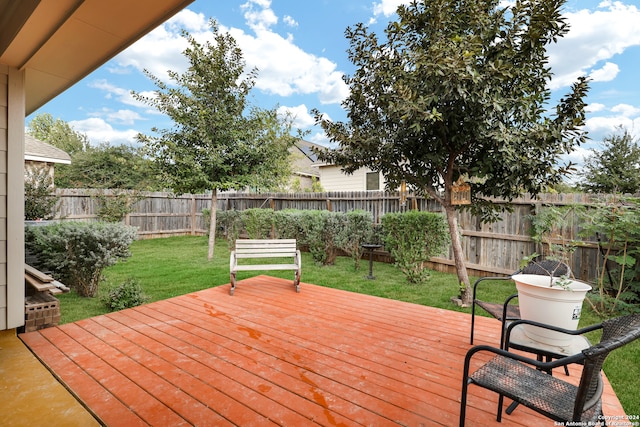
[4,102]
[333,179]
[12,114]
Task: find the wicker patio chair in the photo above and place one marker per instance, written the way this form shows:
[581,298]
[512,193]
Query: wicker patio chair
[527,382]
[507,311]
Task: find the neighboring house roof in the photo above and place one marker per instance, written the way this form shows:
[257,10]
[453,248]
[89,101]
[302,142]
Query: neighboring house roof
[304,158]
[58,42]
[39,151]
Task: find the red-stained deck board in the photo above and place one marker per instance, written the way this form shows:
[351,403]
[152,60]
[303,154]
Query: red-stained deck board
[269,355]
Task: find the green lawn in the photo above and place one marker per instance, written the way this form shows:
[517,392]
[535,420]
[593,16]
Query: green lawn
[174,266]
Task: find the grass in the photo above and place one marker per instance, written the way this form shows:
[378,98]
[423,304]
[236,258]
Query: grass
[178,265]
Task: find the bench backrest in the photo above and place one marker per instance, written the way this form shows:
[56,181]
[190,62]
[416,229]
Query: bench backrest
[265,248]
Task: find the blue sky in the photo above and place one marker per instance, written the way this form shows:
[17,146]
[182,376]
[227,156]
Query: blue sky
[299,49]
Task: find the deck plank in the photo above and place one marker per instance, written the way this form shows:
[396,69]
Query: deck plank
[269,355]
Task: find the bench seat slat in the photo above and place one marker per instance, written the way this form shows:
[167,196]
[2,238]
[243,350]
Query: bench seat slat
[257,267]
[265,254]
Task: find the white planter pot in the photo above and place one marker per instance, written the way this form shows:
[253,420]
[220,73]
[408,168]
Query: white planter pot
[552,305]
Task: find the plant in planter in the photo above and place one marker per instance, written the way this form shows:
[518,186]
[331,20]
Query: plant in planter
[552,295]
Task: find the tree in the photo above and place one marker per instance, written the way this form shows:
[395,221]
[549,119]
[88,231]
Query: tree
[217,142]
[109,166]
[102,166]
[615,168]
[458,92]
[58,133]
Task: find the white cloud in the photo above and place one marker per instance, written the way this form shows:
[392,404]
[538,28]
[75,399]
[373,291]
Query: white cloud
[260,19]
[99,131]
[626,110]
[387,8]
[594,107]
[111,91]
[125,117]
[320,138]
[604,125]
[161,49]
[302,119]
[290,21]
[608,72]
[284,68]
[594,36]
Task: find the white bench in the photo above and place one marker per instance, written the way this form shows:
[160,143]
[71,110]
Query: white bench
[265,248]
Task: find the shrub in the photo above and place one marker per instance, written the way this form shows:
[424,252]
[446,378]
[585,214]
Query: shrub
[78,252]
[357,230]
[114,207]
[286,224]
[311,225]
[412,238]
[258,223]
[229,222]
[616,224]
[40,201]
[126,295]
[334,226]
[319,230]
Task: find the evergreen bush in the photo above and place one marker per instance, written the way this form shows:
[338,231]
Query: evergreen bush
[286,224]
[357,230]
[77,252]
[412,238]
[229,222]
[126,295]
[40,200]
[258,223]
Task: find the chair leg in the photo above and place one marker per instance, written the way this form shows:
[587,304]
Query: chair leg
[473,320]
[463,401]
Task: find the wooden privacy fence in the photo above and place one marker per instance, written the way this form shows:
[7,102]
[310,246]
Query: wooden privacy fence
[493,248]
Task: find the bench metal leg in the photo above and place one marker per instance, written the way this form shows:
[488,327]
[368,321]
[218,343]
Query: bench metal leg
[233,283]
[296,281]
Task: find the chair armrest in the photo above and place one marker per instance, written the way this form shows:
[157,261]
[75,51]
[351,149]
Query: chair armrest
[232,260]
[543,366]
[482,279]
[552,327]
[298,259]
[513,324]
[505,307]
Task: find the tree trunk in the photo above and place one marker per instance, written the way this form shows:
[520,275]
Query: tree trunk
[212,223]
[458,256]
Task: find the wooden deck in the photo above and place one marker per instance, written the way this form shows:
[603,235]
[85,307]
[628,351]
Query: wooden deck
[271,356]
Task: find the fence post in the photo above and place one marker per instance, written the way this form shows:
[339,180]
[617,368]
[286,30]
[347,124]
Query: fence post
[193,215]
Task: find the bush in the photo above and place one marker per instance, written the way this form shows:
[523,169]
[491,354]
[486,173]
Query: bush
[114,207]
[77,252]
[258,222]
[357,230]
[126,295]
[229,222]
[319,230]
[286,224]
[40,201]
[412,238]
[616,224]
